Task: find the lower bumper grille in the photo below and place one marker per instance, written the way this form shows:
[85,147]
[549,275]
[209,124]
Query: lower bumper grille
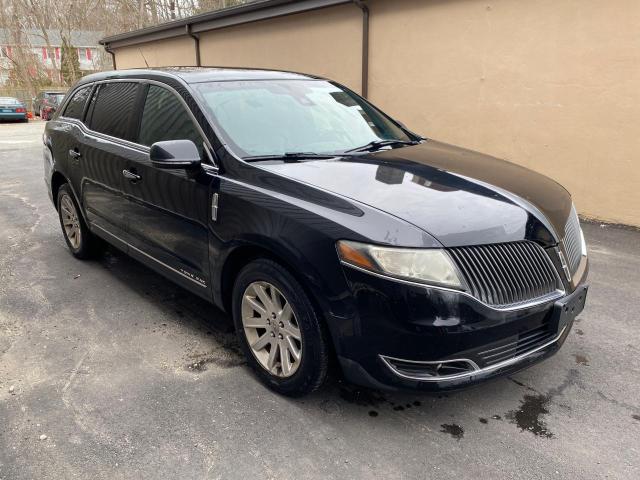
[519,345]
[494,359]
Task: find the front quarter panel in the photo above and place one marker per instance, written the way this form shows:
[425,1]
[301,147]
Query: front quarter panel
[300,225]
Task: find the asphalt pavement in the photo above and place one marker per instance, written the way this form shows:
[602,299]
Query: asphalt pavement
[109,371]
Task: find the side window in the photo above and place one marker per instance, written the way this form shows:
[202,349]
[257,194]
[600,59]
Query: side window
[92,106]
[112,109]
[75,107]
[164,118]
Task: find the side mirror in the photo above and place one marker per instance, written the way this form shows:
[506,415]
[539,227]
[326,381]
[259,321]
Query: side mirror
[175,154]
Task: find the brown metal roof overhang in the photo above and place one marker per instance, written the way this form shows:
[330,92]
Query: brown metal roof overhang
[251,12]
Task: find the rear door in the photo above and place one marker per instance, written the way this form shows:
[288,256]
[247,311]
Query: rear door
[105,153]
[168,209]
[67,138]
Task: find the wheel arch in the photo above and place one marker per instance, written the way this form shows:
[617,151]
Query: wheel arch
[244,254]
[241,256]
[57,180]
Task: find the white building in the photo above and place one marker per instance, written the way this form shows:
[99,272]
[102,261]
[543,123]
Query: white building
[85,43]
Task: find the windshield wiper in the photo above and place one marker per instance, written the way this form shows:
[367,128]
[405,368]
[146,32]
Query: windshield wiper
[377,144]
[289,157]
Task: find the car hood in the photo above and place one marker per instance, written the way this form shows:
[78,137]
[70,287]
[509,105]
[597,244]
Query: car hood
[459,196]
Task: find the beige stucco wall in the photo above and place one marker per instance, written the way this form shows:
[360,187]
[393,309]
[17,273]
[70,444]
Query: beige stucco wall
[324,42]
[177,51]
[551,84]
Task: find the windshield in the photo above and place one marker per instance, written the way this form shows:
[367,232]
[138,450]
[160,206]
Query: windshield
[274,117]
[56,98]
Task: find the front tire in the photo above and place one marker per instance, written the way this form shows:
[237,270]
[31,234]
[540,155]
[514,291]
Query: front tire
[81,242]
[280,332]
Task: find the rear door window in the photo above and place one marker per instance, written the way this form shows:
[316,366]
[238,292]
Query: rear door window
[113,108]
[165,118]
[75,107]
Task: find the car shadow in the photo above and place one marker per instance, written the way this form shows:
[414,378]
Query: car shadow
[337,398]
[188,308]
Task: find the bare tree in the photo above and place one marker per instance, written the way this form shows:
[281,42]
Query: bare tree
[57,21]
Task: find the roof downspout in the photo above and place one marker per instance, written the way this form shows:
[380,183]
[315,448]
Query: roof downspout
[107,49]
[365,46]
[196,40]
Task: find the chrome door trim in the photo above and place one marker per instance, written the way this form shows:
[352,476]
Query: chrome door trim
[214,206]
[130,175]
[151,257]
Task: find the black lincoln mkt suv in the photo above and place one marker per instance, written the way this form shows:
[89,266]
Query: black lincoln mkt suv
[324,227]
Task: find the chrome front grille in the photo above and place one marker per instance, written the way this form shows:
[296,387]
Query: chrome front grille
[507,274]
[572,241]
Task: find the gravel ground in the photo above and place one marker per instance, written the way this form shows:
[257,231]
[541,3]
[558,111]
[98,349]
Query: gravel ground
[109,371]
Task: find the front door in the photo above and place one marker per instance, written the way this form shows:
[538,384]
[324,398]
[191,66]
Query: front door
[168,210]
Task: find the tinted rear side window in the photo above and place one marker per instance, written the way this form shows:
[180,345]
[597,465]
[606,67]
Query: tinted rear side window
[112,109]
[164,118]
[75,107]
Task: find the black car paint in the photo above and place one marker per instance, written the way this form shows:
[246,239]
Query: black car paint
[415,196]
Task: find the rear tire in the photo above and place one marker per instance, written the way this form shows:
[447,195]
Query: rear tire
[81,242]
[281,333]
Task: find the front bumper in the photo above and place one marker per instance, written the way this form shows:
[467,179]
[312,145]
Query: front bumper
[417,337]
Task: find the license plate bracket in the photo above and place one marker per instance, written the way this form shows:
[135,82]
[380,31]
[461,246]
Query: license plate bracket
[568,308]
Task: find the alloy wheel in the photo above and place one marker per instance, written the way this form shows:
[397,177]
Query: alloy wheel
[70,221]
[271,329]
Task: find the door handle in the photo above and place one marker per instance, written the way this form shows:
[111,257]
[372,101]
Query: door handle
[74,153]
[134,177]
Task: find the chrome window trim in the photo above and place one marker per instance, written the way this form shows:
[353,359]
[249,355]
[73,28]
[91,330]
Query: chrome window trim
[209,168]
[135,145]
[509,308]
[69,96]
[101,136]
[479,371]
[151,257]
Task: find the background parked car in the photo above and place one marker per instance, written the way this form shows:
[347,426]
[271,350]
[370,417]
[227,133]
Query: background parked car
[44,99]
[47,111]
[12,109]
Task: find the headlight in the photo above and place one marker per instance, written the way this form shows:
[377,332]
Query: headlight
[432,266]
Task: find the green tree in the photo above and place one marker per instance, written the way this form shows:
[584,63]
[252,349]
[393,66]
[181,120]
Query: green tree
[69,63]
